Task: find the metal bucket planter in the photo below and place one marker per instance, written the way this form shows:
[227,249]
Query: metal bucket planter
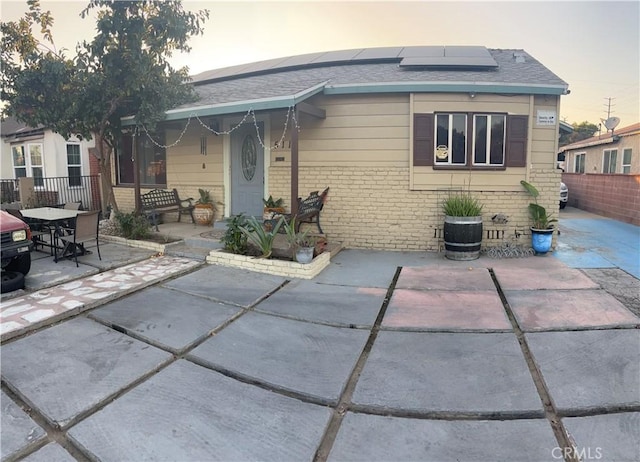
[462,237]
[541,240]
[304,254]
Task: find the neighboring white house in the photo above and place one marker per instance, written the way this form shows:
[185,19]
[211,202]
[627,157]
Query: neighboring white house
[40,153]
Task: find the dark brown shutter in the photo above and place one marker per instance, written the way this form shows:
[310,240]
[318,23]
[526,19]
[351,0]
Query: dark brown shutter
[516,153]
[422,139]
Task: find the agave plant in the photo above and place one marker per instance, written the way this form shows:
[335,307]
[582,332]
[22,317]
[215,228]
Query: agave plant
[263,239]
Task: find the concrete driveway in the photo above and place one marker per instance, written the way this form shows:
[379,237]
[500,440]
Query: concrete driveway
[383,356]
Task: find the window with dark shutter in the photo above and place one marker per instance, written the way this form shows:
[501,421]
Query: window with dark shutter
[422,139]
[517,128]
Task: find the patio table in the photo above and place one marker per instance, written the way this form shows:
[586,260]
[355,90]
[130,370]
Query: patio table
[55,218]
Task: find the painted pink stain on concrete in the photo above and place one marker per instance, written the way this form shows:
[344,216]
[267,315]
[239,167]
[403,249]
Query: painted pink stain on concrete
[550,278]
[568,309]
[429,278]
[446,310]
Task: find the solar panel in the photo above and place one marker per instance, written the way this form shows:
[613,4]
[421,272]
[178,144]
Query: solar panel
[451,57]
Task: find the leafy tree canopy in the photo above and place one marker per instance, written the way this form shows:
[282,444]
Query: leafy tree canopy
[122,72]
[581,131]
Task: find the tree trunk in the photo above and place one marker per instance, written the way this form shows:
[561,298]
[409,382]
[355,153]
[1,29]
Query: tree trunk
[103,154]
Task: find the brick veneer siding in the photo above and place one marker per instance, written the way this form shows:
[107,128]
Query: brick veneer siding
[374,208]
[615,196]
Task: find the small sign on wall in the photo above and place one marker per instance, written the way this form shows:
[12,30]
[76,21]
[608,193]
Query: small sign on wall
[546,118]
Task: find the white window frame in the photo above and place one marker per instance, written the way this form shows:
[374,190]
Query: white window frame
[626,165]
[78,165]
[29,166]
[449,145]
[579,167]
[606,160]
[487,162]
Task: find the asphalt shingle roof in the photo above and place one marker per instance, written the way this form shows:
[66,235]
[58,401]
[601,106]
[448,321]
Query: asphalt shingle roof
[271,81]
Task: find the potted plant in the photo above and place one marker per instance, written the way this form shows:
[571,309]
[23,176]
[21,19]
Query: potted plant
[260,237]
[272,207]
[542,228]
[204,209]
[302,245]
[462,226]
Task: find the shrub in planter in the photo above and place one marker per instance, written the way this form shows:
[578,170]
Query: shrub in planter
[272,208]
[234,240]
[259,236]
[132,226]
[302,245]
[462,226]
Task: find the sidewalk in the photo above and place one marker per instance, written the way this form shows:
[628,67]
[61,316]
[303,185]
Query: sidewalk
[383,356]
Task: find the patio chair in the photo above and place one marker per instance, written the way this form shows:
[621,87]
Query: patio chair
[85,228]
[72,205]
[38,230]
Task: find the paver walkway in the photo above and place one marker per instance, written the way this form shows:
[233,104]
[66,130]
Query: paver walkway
[20,315]
[259,368]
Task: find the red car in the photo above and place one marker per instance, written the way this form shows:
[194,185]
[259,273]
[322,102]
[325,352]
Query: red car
[15,249]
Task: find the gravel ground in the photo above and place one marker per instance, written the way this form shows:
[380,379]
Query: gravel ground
[620,284]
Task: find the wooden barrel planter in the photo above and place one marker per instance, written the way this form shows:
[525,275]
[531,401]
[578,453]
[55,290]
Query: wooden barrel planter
[462,237]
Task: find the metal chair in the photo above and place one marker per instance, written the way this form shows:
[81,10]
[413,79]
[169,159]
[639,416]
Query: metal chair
[72,205]
[85,228]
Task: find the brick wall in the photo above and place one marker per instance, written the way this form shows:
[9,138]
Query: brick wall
[370,207]
[615,196]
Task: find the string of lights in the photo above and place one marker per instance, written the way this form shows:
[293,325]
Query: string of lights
[291,115]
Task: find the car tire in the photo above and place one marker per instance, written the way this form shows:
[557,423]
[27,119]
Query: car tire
[563,205]
[21,264]
[11,280]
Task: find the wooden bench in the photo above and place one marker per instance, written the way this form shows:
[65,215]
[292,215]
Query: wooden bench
[308,211]
[159,201]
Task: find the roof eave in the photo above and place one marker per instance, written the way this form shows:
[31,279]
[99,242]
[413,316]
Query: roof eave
[260,104]
[447,87]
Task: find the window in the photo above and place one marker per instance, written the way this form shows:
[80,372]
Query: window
[626,160]
[498,140]
[152,160]
[451,139]
[28,159]
[579,163]
[488,139]
[609,161]
[19,161]
[74,169]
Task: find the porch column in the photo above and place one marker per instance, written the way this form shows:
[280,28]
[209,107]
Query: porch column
[294,163]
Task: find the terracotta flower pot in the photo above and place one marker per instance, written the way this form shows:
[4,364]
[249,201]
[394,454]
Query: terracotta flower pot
[204,213]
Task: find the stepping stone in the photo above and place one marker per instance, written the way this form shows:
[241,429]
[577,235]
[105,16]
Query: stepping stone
[606,437]
[311,359]
[227,285]
[187,412]
[447,372]
[18,429]
[74,366]
[340,305]
[586,369]
[52,452]
[426,278]
[368,437]
[165,317]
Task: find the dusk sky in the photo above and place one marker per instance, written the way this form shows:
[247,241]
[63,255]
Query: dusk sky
[593,46]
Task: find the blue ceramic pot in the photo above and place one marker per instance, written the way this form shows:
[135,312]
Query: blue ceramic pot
[541,240]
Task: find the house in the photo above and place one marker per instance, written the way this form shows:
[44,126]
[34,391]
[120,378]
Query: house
[616,151]
[391,131]
[44,156]
[603,174]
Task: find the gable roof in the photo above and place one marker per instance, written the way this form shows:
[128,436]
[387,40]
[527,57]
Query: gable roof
[284,82]
[606,138]
[12,128]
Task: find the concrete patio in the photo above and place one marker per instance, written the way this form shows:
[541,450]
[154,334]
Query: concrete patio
[383,356]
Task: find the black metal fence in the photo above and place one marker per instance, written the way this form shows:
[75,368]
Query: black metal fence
[55,192]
